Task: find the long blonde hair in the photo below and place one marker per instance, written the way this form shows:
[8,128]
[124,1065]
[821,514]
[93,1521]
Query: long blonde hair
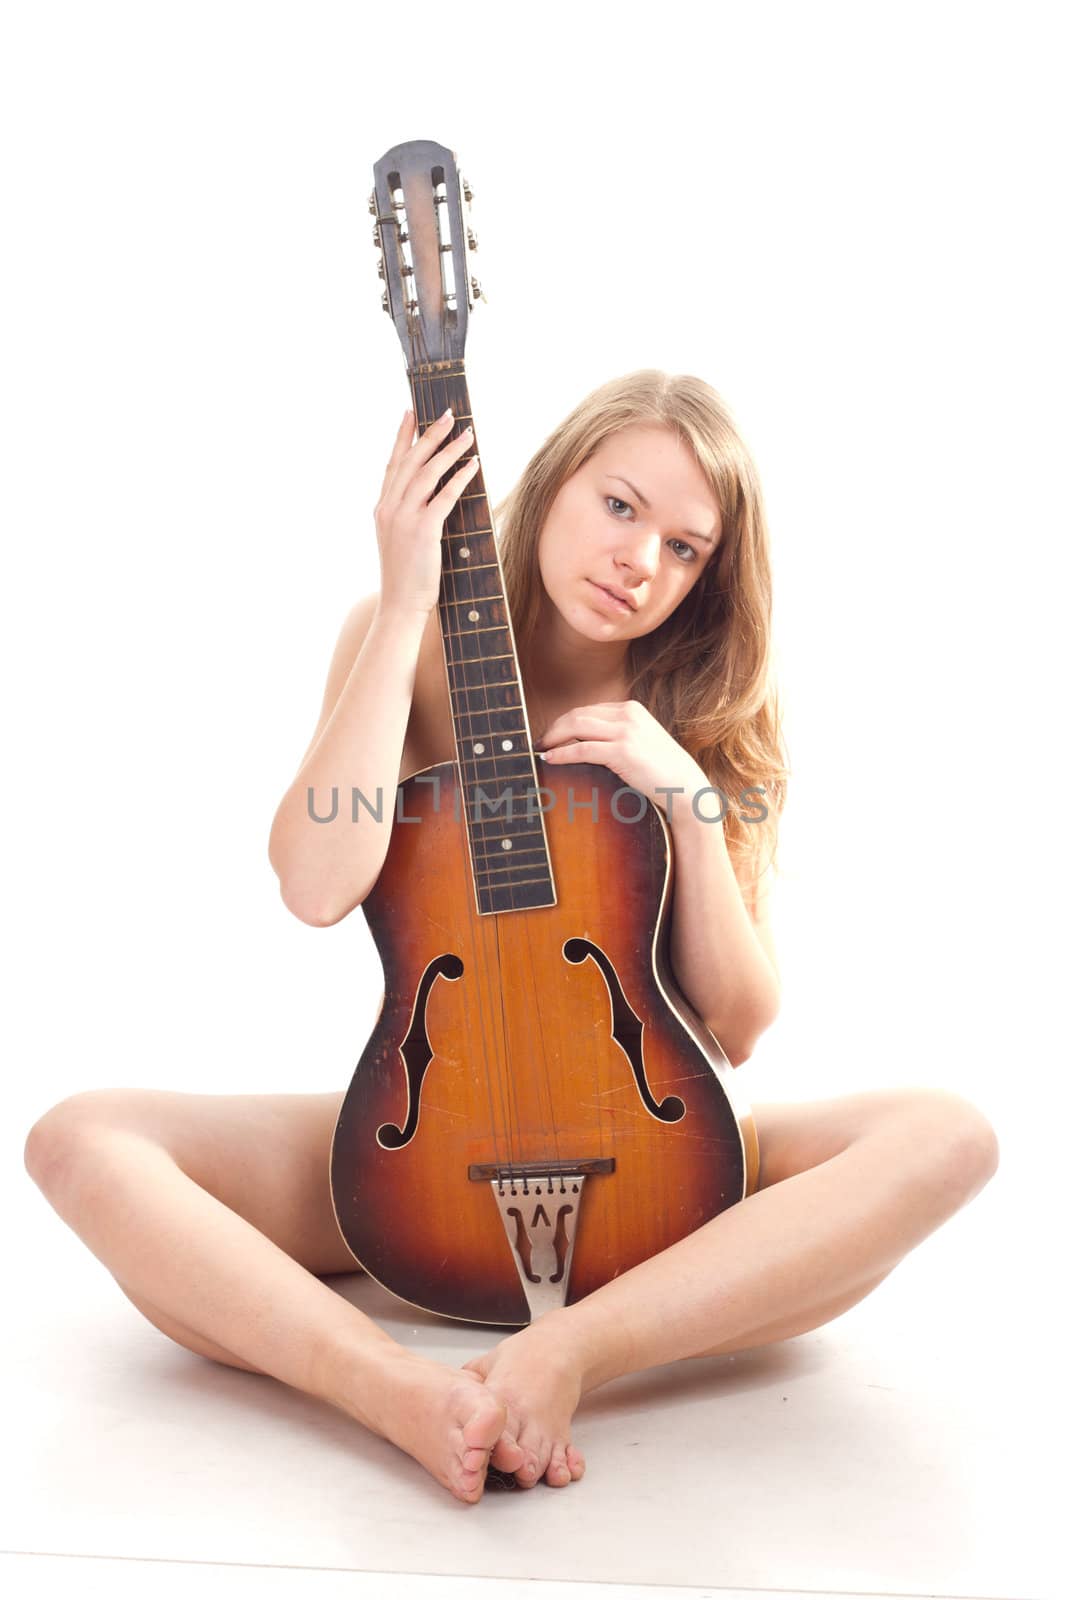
[705,672]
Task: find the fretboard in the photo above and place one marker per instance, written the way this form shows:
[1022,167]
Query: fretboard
[508,848]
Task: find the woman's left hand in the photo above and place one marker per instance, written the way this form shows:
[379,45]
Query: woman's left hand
[625,737]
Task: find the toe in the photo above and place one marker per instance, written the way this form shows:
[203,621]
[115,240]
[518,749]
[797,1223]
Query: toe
[468,1477]
[508,1455]
[558,1473]
[536,1452]
[485,1424]
[575,1461]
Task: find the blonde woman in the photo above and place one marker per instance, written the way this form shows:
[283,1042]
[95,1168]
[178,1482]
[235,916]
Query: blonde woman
[636,564]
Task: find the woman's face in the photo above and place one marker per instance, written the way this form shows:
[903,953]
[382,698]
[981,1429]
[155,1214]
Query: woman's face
[638,517]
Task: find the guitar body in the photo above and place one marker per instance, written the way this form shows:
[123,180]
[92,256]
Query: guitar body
[538,1108]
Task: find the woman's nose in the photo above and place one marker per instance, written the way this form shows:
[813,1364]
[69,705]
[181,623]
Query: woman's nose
[641,555]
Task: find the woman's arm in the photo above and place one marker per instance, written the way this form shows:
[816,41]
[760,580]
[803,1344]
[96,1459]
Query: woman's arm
[327,868]
[721,956]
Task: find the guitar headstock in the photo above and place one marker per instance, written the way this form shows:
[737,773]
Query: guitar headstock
[420,203]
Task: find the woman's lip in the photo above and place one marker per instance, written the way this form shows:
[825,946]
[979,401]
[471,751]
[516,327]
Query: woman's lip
[620,604]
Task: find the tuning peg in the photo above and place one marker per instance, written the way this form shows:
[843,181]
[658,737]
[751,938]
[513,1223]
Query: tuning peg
[468,192]
[472,239]
[376,237]
[385,299]
[373,204]
[477,291]
[381,266]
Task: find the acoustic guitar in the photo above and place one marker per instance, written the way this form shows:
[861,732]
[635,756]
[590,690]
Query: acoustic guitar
[538,1108]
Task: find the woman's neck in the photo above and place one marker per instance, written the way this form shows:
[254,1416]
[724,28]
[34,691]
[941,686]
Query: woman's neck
[567,670]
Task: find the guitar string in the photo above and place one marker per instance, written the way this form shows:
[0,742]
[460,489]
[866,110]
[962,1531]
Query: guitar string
[531,1008]
[486,837]
[453,633]
[426,392]
[425,419]
[499,1064]
[490,1056]
[542,1079]
[509,1080]
[550,1129]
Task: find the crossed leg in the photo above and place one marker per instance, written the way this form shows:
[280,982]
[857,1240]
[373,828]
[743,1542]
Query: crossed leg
[848,1187]
[216,1207]
[930,1152]
[213,1214]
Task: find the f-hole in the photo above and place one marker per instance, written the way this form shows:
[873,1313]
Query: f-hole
[626,1030]
[417,1053]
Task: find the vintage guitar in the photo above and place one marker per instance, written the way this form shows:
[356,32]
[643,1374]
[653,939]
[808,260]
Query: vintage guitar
[538,1107]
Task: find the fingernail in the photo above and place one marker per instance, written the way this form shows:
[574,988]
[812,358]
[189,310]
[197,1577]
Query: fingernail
[446,413]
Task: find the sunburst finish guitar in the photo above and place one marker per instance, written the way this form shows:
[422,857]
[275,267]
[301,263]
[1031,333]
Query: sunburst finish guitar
[538,1107]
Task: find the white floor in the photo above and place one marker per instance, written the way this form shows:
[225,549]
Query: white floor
[897,1451]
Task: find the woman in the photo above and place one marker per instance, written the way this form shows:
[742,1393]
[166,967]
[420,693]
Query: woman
[214,1212]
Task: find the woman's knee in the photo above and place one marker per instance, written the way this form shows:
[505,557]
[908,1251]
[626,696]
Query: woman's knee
[958,1136]
[60,1141]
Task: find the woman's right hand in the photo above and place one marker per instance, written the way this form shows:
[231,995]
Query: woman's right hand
[408,521]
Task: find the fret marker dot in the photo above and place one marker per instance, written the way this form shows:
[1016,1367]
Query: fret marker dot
[478,749]
[505,844]
[465,552]
[506,745]
[473,615]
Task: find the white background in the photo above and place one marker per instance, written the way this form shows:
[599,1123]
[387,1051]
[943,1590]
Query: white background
[843,217]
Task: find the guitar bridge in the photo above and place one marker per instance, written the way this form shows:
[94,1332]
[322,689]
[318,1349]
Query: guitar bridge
[539,1209]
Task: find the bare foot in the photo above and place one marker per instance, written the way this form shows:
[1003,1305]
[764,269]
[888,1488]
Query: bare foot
[447,1419]
[540,1381]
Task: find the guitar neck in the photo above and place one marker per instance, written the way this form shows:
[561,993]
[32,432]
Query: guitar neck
[489,717]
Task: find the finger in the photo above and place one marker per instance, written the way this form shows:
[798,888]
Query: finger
[424,481]
[450,492]
[589,723]
[600,751]
[423,448]
[401,445]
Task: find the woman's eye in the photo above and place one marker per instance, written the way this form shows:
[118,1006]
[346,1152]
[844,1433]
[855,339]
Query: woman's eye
[612,500]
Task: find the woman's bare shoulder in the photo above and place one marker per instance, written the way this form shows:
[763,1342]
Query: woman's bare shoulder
[354,630]
[426,740]
[350,641]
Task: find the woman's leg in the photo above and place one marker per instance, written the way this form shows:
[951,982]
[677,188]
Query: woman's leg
[213,1214]
[848,1186]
